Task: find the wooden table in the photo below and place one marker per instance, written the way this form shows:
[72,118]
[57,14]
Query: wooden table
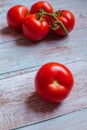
[19,61]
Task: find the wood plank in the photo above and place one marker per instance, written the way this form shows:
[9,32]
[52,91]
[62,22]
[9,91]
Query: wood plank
[76,120]
[72,121]
[18,55]
[7,34]
[20,105]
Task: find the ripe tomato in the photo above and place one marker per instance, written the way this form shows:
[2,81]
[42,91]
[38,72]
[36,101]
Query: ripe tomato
[16,16]
[35,29]
[41,5]
[53,82]
[68,20]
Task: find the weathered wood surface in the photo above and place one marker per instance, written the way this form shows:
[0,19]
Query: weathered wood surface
[14,56]
[19,104]
[73,121]
[19,62]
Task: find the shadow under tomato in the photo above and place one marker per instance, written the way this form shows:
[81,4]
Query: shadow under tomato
[37,104]
[25,42]
[18,37]
[8,31]
[54,38]
[21,40]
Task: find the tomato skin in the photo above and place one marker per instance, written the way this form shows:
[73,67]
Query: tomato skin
[68,19]
[53,82]
[41,5]
[34,29]
[16,16]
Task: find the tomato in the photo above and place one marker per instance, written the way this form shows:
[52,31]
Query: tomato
[53,82]
[36,8]
[16,16]
[35,29]
[68,20]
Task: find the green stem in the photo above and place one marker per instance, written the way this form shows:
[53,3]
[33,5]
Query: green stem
[42,12]
[62,25]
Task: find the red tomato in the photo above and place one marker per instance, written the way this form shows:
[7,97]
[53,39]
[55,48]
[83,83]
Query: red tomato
[41,5]
[16,16]
[53,82]
[35,29]
[68,20]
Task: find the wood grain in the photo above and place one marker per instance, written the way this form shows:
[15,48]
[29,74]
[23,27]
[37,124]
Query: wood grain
[66,122]
[18,55]
[19,61]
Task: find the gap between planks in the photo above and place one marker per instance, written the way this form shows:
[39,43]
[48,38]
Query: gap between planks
[39,124]
[32,69]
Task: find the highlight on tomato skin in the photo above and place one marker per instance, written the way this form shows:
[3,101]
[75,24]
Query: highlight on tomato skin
[54,82]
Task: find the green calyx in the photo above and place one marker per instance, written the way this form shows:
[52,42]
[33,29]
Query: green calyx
[55,82]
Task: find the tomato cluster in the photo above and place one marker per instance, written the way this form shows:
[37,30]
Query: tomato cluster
[37,22]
